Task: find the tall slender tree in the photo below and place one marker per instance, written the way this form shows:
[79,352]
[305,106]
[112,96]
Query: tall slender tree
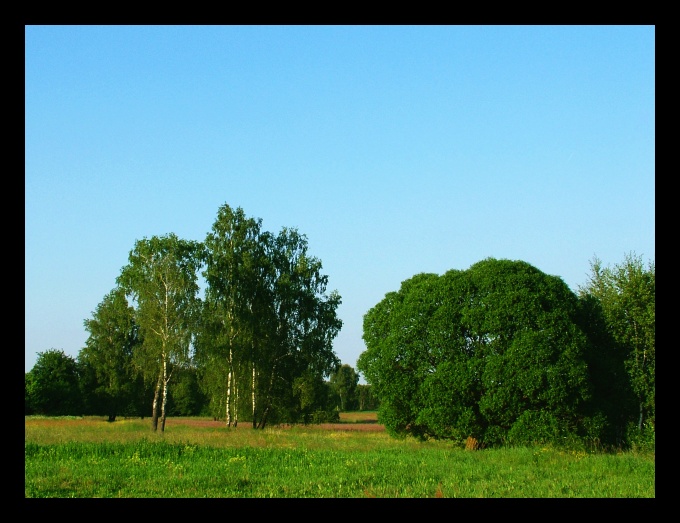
[234,253]
[162,280]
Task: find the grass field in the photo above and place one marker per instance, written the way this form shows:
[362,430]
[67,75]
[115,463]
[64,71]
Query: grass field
[198,457]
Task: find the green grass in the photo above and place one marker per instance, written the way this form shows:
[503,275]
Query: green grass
[92,458]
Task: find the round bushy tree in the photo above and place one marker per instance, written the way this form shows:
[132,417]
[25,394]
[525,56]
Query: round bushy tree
[494,352]
[53,385]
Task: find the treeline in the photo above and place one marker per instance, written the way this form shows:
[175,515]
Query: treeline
[256,348]
[497,354]
[503,354]
[60,385]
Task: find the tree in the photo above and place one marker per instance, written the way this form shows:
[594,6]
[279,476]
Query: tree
[297,323]
[234,258]
[112,341]
[186,397]
[161,279]
[28,393]
[395,360]
[266,321]
[495,352]
[344,381]
[52,385]
[367,400]
[613,401]
[626,294]
[313,400]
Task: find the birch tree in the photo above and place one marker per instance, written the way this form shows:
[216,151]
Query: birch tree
[267,318]
[161,278]
[233,258]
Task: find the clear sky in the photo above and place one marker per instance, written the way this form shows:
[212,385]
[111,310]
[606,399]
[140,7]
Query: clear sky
[395,149]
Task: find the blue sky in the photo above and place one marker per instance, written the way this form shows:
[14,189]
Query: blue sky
[395,149]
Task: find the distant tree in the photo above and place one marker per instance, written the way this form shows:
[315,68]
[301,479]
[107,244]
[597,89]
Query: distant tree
[53,385]
[344,381]
[161,280]
[186,397]
[626,293]
[367,400]
[313,403]
[495,352]
[112,341]
[28,392]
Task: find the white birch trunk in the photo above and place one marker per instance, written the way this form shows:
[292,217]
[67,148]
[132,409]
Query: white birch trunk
[228,412]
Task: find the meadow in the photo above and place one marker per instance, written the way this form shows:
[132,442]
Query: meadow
[202,458]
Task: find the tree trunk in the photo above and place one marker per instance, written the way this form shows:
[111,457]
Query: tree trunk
[154,410]
[263,420]
[234,402]
[253,398]
[228,409]
[165,394]
[641,419]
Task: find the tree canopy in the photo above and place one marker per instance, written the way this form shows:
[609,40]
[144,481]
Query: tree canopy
[494,352]
[52,385]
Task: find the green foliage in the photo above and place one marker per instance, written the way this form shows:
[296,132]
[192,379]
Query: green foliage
[161,281]
[470,352]
[325,416]
[226,344]
[613,400]
[313,400]
[534,427]
[107,375]
[508,355]
[367,400]
[29,384]
[186,397]
[641,440]
[626,294]
[52,385]
[266,322]
[344,382]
